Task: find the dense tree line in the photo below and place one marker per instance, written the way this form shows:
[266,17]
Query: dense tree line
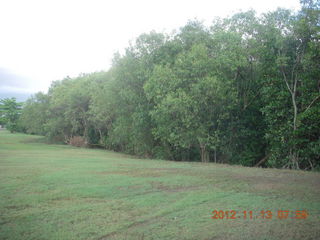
[242,91]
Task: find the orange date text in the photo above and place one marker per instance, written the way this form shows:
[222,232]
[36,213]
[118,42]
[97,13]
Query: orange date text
[263,214]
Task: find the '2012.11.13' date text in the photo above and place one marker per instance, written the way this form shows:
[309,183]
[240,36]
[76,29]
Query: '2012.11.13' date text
[263,214]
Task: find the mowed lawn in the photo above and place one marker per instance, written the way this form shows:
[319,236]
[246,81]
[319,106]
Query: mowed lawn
[63,192]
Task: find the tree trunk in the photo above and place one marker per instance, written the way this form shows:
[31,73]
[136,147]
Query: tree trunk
[294,154]
[294,103]
[205,157]
[294,159]
[101,138]
[263,160]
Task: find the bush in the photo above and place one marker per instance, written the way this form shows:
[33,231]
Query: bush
[78,141]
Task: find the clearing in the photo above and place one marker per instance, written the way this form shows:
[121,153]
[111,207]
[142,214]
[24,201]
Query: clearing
[63,192]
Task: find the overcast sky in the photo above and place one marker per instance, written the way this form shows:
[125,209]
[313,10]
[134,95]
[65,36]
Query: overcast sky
[46,40]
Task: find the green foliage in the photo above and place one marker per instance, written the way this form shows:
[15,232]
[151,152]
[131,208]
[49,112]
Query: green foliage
[292,90]
[10,111]
[243,91]
[35,114]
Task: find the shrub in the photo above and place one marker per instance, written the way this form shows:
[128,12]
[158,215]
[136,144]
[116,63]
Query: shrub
[78,141]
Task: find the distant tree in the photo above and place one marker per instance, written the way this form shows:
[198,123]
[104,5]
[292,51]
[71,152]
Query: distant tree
[10,111]
[34,115]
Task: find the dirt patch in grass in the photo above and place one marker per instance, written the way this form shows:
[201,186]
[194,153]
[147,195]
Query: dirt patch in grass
[145,172]
[18,208]
[72,200]
[132,187]
[114,234]
[121,172]
[150,172]
[281,180]
[173,188]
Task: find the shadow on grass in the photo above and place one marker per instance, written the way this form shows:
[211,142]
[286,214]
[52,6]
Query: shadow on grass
[43,140]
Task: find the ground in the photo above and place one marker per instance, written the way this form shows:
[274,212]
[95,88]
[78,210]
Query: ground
[62,192]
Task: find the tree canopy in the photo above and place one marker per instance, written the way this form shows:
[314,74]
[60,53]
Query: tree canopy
[244,90]
[10,111]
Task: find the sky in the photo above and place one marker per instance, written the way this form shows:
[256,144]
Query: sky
[46,40]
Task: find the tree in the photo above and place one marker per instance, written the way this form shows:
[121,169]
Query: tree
[34,115]
[290,63]
[189,101]
[9,112]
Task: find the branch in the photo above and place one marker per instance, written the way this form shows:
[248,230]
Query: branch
[252,100]
[298,60]
[263,160]
[313,101]
[286,81]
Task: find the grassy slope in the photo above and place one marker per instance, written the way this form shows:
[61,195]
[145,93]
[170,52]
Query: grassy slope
[61,192]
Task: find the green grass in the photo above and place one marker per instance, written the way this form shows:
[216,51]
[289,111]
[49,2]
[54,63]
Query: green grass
[62,192]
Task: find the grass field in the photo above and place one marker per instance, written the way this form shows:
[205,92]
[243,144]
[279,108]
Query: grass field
[62,192]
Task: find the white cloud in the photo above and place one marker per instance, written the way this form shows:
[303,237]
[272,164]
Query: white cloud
[49,39]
